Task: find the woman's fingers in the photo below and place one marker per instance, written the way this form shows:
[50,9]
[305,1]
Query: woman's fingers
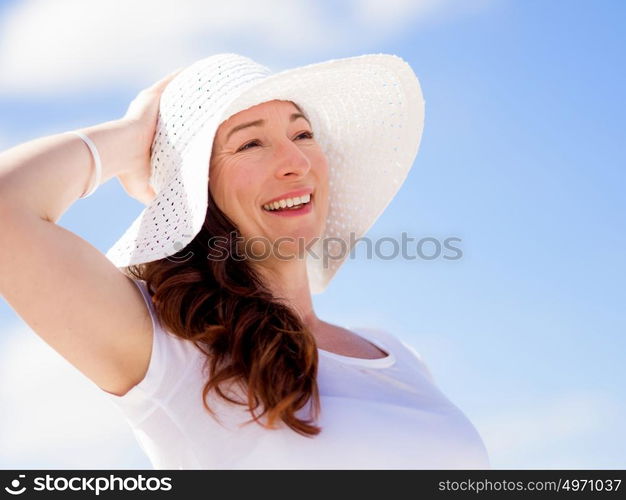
[160,84]
[141,115]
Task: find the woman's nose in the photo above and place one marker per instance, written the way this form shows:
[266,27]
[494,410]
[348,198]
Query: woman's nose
[289,159]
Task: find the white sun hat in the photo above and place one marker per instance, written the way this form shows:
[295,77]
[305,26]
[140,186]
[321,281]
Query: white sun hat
[366,112]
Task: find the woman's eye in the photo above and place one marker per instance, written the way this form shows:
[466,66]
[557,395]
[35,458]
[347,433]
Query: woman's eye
[245,146]
[309,135]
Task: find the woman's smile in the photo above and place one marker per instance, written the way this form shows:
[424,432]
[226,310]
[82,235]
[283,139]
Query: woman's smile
[293,211]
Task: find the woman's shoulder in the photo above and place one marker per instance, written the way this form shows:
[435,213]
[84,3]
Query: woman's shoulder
[170,355]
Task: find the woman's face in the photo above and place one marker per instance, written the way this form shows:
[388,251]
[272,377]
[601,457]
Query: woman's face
[266,160]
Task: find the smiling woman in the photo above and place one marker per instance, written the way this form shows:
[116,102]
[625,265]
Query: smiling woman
[220,361]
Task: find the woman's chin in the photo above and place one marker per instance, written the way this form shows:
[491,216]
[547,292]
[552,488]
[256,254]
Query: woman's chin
[304,230]
[294,242]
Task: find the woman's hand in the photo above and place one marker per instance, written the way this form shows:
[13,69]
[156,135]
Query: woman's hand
[141,117]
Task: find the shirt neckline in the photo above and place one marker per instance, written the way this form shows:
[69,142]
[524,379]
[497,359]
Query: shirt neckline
[384,362]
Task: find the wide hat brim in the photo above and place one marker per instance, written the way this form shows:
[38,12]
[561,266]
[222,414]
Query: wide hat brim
[367,114]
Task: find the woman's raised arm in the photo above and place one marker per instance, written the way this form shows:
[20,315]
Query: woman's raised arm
[64,288]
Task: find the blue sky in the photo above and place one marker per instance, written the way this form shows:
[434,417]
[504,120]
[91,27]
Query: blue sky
[522,158]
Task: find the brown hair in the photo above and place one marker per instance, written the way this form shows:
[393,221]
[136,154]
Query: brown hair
[223,306]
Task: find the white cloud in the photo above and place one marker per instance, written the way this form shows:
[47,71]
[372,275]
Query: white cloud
[391,14]
[53,416]
[390,17]
[62,45]
[47,47]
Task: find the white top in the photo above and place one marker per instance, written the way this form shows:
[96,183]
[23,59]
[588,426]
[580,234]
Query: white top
[384,413]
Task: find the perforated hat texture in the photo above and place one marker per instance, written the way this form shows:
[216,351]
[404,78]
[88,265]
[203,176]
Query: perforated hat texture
[367,114]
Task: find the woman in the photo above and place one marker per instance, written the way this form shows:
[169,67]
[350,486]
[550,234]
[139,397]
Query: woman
[199,322]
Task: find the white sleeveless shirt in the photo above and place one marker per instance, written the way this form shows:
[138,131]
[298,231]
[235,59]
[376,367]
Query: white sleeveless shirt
[384,413]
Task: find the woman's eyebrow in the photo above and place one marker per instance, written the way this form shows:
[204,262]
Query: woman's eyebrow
[258,123]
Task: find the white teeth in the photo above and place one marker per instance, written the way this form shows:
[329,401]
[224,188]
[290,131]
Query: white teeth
[288,202]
